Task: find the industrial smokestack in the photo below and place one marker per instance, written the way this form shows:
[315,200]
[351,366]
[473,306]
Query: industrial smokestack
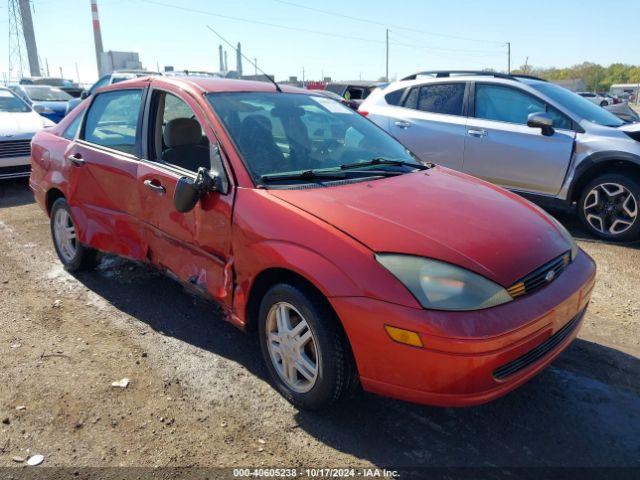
[226,65]
[221,58]
[97,35]
[29,38]
[239,60]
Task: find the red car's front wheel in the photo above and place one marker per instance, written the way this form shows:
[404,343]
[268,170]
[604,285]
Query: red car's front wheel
[305,350]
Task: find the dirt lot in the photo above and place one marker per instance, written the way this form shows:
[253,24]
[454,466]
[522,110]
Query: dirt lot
[199,393]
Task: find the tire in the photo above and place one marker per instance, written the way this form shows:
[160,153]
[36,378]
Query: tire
[609,206]
[73,255]
[604,103]
[326,345]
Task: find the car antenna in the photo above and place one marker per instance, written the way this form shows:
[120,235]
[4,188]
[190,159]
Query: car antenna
[255,65]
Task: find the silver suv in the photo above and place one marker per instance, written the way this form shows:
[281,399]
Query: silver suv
[525,134]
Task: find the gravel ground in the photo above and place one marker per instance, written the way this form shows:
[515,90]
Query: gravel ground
[199,395]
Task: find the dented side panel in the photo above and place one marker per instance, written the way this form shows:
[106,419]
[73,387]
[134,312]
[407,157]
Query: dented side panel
[194,247]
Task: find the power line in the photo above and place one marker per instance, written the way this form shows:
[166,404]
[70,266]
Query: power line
[296,29]
[259,22]
[382,24]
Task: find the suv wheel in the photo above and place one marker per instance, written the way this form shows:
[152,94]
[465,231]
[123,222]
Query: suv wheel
[609,207]
[73,255]
[307,354]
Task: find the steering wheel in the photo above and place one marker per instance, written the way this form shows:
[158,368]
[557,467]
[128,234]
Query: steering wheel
[327,147]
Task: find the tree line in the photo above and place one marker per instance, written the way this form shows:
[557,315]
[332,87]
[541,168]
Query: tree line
[596,77]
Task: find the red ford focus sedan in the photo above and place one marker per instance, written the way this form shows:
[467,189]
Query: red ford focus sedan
[353,262]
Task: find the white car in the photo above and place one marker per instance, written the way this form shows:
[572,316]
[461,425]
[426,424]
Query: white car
[18,124]
[595,98]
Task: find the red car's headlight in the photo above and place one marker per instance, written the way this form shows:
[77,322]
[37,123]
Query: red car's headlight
[442,286]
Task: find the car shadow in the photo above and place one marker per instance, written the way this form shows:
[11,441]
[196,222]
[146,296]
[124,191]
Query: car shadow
[582,411]
[15,193]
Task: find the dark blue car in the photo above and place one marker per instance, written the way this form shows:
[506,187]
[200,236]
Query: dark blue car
[50,102]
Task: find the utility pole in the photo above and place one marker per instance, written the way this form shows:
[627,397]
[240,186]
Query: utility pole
[29,37]
[526,65]
[255,64]
[509,57]
[387,62]
[78,73]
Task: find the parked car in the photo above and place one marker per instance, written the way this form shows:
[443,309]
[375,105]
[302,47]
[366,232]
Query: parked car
[50,102]
[331,95]
[595,98]
[611,99]
[18,124]
[312,227]
[354,92]
[64,84]
[115,77]
[525,134]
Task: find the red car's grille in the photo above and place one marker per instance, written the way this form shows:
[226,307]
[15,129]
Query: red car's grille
[539,352]
[540,277]
[15,148]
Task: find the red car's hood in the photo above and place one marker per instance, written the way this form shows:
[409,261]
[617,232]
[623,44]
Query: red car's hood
[440,214]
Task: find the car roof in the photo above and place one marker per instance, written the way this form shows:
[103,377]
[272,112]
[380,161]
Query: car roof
[204,85]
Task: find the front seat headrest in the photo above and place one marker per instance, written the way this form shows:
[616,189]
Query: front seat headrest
[182,131]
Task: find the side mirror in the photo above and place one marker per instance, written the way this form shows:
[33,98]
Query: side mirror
[84,94]
[543,121]
[189,191]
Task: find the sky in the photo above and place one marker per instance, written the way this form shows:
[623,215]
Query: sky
[291,36]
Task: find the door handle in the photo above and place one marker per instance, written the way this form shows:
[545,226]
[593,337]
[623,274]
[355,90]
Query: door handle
[402,124]
[76,159]
[154,186]
[477,133]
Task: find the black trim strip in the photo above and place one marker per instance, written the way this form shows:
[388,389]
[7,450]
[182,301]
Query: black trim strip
[531,357]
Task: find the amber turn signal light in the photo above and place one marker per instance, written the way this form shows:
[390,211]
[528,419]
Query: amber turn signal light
[401,335]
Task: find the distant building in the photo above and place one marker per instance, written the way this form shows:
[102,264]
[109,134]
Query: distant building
[119,61]
[573,84]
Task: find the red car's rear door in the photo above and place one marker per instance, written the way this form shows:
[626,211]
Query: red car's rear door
[103,174]
[195,246]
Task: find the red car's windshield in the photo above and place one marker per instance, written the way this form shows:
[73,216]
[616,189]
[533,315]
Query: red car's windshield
[282,132]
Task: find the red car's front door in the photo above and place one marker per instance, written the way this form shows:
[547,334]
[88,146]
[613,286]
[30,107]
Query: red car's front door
[103,175]
[195,246]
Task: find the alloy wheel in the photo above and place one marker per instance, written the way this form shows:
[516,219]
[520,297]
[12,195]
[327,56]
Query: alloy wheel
[292,347]
[610,208]
[65,235]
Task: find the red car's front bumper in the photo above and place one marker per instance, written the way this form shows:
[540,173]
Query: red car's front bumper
[463,351]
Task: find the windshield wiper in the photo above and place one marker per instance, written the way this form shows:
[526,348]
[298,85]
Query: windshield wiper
[383,161]
[313,175]
[307,175]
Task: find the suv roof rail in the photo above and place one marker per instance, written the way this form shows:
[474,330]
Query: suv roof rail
[449,73]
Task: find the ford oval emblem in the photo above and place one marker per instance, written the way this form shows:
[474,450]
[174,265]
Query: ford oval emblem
[550,276]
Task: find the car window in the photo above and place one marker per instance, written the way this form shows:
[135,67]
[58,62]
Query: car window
[335,88]
[446,98]
[9,103]
[393,98]
[41,93]
[112,120]
[505,104]
[178,137]
[72,130]
[560,120]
